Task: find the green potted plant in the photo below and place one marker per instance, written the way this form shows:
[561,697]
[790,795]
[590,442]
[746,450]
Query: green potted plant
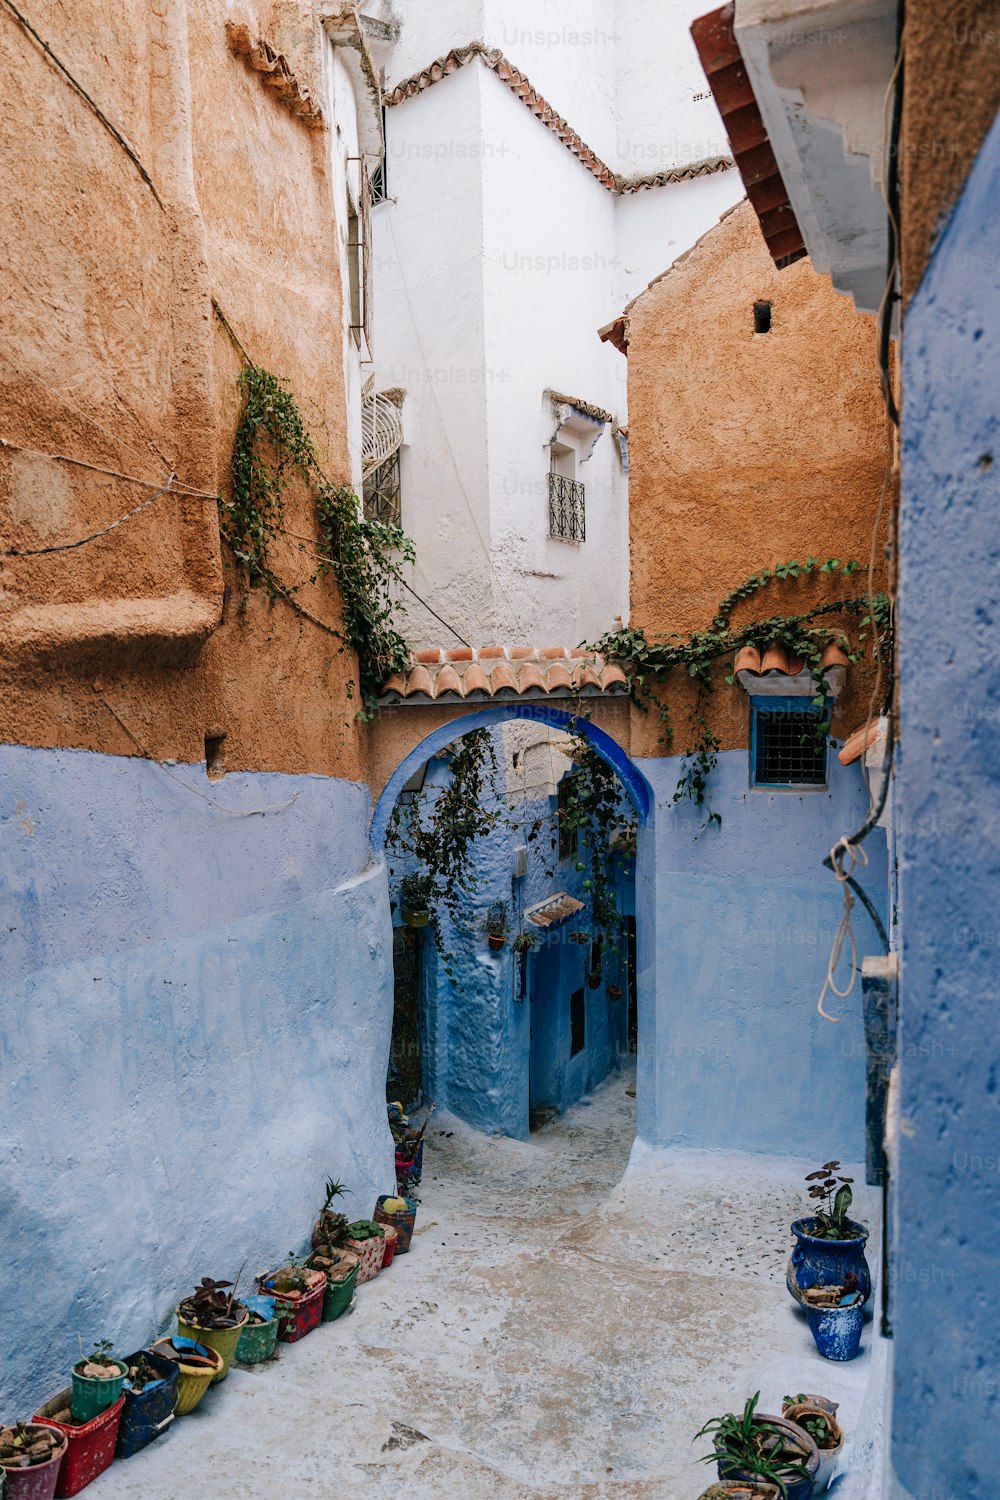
[829,1244]
[416,897]
[367,1240]
[97,1382]
[497,925]
[817,1416]
[753,1446]
[213,1317]
[525,942]
[330,1229]
[30,1456]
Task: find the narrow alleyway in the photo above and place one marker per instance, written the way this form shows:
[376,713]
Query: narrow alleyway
[558,1329]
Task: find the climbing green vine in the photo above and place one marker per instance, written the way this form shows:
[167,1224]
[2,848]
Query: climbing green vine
[271,450]
[647,662]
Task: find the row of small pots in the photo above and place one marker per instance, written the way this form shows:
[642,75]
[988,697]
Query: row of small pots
[806,1439]
[115,1412]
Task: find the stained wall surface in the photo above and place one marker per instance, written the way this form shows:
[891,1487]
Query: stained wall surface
[947,1172]
[196,977]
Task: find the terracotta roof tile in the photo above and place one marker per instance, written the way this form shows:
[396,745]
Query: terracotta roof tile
[749,664]
[497,671]
[857,743]
[522,88]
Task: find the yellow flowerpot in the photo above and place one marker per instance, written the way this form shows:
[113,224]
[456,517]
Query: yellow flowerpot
[222,1340]
[192,1381]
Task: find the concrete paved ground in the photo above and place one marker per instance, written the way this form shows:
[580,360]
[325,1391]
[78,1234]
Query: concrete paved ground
[559,1329]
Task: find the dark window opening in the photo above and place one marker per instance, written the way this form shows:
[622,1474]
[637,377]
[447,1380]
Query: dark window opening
[762,317]
[789,747]
[577,1022]
[568,832]
[381,493]
[522,973]
[215,759]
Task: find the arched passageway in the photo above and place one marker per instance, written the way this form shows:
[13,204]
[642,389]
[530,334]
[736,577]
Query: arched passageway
[510,1036]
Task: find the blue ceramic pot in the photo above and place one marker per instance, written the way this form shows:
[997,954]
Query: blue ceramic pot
[817,1262]
[837,1330]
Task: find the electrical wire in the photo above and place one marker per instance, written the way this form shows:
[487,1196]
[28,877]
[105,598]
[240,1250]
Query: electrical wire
[81,463]
[109,126]
[83,540]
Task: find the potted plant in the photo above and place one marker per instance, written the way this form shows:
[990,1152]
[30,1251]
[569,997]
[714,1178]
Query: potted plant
[741,1489]
[817,1417]
[367,1240]
[298,1298]
[340,1267]
[401,1213]
[197,1366]
[497,925]
[757,1447]
[829,1245]
[416,896]
[835,1315]
[90,1444]
[525,942]
[330,1229]
[150,1390]
[97,1382]
[260,1332]
[615,992]
[212,1316]
[30,1456]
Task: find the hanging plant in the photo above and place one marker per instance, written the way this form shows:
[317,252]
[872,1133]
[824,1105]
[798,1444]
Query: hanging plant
[271,450]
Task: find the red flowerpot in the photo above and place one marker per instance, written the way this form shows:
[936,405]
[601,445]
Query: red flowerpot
[496,943]
[90,1447]
[390,1239]
[37,1482]
[298,1313]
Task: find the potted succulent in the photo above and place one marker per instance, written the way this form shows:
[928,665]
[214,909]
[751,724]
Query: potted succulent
[757,1447]
[197,1366]
[330,1229]
[298,1298]
[97,1382]
[829,1245]
[401,1213]
[150,1390]
[212,1316]
[497,925]
[818,1417]
[525,942]
[416,896]
[367,1240]
[30,1456]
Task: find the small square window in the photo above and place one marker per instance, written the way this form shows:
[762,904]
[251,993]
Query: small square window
[788,745]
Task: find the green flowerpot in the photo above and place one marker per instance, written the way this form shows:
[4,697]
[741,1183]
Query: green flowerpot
[91,1396]
[339,1295]
[257,1340]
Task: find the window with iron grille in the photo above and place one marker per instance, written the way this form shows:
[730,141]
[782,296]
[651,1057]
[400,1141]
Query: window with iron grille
[380,495]
[567,514]
[359,265]
[788,746]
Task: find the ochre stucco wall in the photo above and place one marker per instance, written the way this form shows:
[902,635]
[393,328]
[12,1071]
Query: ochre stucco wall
[746,450]
[951,96]
[111,354]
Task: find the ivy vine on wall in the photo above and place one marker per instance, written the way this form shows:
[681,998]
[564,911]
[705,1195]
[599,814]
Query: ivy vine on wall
[271,450]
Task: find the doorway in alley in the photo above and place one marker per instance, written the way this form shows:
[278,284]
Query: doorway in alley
[404,1079]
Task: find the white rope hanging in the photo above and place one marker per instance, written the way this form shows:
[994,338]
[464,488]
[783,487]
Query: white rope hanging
[842,849]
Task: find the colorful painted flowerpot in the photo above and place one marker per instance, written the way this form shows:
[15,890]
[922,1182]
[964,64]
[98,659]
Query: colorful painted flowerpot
[820,1262]
[827,1456]
[39,1481]
[90,1446]
[196,1369]
[257,1340]
[370,1254]
[148,1412]
[298,1313]
[409,1164]
[91,1395]
[837,1330]
[390,1236]
[340,1294]
[222,1340]
[795,1489]
[402,1221]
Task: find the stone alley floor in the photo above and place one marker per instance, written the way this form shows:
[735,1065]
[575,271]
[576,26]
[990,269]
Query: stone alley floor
[561,1327]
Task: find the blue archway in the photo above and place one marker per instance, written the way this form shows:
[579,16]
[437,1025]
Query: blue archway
[635,784]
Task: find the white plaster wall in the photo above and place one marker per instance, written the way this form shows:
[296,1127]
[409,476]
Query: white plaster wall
[550,281]
[428,29]
[428,272]
[654,227]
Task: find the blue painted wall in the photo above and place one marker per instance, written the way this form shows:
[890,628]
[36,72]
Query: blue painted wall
[476,1034]
[946,1381]
[194,1025]
[735,926]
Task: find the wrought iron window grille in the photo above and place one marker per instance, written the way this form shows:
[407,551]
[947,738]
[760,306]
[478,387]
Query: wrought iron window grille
[567,509]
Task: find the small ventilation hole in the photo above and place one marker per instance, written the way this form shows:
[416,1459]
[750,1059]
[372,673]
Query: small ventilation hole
[215,760]
[762,317]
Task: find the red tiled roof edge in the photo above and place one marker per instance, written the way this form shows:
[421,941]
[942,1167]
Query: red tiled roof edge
[715,41]
[529,96]
[492,672]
